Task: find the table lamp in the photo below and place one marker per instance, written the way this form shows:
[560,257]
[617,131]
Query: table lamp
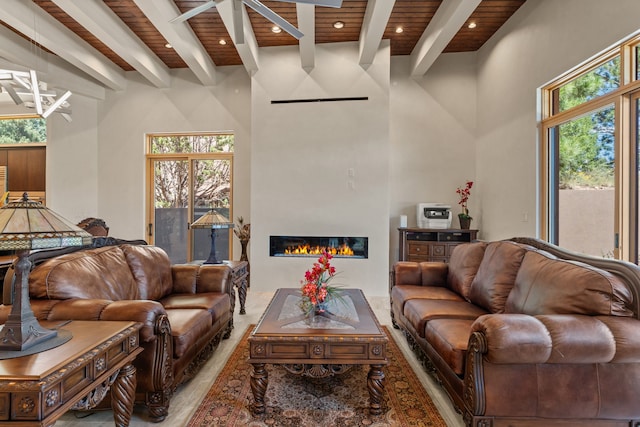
[213,220]
[26,225]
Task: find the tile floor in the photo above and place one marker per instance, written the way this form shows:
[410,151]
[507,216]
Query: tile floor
[188,396]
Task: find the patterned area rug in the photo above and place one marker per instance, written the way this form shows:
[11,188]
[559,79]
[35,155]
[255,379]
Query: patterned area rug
[292,400]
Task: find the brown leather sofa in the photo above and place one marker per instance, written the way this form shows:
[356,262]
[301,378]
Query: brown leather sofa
[185,309]
[523,333]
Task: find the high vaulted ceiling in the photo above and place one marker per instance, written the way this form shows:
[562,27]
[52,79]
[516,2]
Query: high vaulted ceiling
[105,38]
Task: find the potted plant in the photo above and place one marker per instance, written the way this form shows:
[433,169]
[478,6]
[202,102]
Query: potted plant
[464,217]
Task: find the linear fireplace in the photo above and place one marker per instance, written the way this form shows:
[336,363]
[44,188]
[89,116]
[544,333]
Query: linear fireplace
[311,246]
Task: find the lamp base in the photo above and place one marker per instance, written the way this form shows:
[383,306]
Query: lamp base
[22,330]
[62,337]
[20,334]
[212,253]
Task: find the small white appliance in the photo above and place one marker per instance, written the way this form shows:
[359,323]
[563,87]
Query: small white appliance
[433,215]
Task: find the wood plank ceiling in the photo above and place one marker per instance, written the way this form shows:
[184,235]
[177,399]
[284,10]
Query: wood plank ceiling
[411,15]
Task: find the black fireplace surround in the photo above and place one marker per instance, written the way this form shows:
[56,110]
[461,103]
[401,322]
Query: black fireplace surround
[312,246]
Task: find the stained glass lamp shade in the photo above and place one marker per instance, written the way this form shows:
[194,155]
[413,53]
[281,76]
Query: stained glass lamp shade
[213,220]
[27,225]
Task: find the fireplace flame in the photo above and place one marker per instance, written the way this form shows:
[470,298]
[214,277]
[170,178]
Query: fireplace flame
[306,249]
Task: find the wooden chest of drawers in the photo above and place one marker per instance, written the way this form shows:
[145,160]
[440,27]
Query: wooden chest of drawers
[424,244]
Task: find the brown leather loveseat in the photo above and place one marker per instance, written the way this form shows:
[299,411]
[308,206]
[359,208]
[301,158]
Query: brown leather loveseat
[185,309]
[523,333]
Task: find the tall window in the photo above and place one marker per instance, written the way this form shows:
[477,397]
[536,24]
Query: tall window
[589,155]
[189,175]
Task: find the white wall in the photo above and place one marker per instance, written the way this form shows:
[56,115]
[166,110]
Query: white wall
[126,117]
[72,161]
[541,41]
[433,124]
[472,116]
[71,175]
[302,153]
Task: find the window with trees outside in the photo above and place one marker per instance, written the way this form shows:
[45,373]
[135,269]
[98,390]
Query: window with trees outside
[23,152]
[23,130]
[589,155]
[188,175]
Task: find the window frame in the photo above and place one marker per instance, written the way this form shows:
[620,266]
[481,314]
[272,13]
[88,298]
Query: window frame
[625,167]
[150,158]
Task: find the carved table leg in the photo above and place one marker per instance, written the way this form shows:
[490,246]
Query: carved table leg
[259,380]
[375,385]
[123,393]
[242,294]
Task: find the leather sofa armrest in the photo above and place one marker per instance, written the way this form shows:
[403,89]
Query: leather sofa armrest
[558,338]
[214,278]
[143,311]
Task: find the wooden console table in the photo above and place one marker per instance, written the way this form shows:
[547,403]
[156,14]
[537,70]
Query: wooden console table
[239,277]
[431,244]
[36,390]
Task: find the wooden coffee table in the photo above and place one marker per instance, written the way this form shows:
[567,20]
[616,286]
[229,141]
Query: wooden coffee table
[36,390]
[347,334]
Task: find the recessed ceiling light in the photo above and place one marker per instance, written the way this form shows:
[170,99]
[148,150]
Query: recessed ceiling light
[168,46]
[472,24]
[222,41]
[276,29]
[399,30]
[338,24]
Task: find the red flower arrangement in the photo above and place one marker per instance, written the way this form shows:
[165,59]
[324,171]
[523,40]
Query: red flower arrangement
[464,193]
[315,285]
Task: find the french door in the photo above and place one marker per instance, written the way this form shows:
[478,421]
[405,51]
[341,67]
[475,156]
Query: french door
[182,187]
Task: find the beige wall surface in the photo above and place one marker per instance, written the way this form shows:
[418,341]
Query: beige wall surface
[432,146]
[471,117]
[320,168]
[126,117]
[542,40]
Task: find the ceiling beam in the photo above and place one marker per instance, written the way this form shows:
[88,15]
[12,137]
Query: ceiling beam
[375,22]
[103,23]
[35,23]
[307,25]
[58,73]
[446,22]
[181,37]
[244,39]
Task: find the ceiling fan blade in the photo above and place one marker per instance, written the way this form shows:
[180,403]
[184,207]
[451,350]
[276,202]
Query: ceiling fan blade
[325,3]
[274,17]
[193,12]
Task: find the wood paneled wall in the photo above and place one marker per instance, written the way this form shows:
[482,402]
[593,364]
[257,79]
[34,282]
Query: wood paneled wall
[26,168]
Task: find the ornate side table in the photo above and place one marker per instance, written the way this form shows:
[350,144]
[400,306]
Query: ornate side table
[36,390]
[240,279]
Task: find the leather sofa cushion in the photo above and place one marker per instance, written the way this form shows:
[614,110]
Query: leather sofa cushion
[496,275]
[151,268]
[218,305]
[463,266]
[420,273]
[547,285]
[450,338]
[100,273]
[626,333]
[188,325]
[419,311]
[403,293]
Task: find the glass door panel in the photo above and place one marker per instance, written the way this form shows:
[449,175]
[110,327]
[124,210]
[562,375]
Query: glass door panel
[211,190]
[585,183]
[171,202]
